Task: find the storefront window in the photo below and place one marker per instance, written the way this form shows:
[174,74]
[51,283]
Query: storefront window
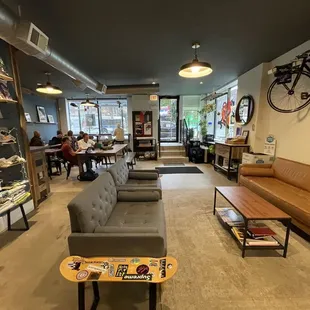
[87,119]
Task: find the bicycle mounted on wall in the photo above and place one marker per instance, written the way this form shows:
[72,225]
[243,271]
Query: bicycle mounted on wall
[290,91]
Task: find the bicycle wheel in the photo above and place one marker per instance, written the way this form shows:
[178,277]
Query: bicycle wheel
[281,99]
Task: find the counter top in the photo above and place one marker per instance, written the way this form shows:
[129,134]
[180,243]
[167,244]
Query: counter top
[42,148]
[232,144]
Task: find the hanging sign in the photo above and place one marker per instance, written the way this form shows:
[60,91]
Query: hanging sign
[270,145]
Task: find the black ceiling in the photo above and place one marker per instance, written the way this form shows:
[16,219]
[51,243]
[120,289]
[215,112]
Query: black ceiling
[130,42]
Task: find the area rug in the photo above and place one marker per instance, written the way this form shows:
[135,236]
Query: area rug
[178,170]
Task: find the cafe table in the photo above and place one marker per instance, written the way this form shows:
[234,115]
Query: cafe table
[113,152]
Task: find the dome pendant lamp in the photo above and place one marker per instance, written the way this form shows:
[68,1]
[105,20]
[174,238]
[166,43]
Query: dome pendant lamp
[88,103]
[196,68]
[48,88]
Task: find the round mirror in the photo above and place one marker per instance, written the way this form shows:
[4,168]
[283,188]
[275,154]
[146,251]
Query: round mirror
[245,110]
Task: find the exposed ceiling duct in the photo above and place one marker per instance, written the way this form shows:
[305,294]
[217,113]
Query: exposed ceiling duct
[9,24]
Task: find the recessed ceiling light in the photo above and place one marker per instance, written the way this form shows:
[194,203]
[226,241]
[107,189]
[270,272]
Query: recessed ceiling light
[196,68]
[201,82]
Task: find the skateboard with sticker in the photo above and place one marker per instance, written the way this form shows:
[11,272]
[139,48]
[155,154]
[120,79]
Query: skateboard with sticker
[118,269]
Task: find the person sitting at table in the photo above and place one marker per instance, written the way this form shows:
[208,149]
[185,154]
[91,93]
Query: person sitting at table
[80,136]
[85,143]
[36,139]
[71,156]
[72,139]
[119,134]
[57,139]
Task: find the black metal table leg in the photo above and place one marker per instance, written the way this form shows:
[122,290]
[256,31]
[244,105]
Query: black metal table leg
[288,228]
[81,295]
[49,166]
[214,204]
[9,219]
[24,216]
[152,296]
[96,296]
[244,237]
[229,163]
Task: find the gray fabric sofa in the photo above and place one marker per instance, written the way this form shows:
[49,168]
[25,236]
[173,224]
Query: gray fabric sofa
[103,226]
[135,179]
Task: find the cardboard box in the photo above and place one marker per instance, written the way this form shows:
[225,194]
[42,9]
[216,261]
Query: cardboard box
[257,158]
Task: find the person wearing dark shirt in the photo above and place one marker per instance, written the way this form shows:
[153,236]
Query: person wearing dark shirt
[70,155]
[57,139]
[80,136]
[36,139]
[72,139]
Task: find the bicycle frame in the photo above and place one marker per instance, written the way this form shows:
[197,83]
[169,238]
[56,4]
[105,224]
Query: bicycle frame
[298,71]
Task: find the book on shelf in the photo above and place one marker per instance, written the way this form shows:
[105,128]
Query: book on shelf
[263,241]
[259,232]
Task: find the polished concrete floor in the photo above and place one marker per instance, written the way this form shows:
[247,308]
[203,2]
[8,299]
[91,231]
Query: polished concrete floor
[211,275]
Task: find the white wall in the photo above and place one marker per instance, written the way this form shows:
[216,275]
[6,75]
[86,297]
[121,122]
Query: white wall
[291,130]
[63,115]
[250,84]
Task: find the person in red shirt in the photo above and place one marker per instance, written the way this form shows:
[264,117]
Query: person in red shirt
[70,155]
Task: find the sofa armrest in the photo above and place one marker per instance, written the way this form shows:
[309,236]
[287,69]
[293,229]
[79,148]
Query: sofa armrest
[260,170]
[140,175]
[132,244]
[138,193]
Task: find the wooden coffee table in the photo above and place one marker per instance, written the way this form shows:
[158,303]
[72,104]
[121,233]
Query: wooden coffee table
[253,207]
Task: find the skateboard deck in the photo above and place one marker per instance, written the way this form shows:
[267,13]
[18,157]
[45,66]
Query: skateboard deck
[118,269]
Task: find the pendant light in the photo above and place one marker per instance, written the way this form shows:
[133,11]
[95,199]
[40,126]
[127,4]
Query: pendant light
[88,103]
[196,68]
[48,88]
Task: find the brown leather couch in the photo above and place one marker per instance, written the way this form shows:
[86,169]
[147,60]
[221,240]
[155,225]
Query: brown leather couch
[285,184]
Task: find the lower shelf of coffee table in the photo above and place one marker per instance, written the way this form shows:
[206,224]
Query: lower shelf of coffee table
[249,247]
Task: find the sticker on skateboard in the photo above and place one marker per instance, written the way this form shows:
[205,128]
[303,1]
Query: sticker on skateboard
[135,269]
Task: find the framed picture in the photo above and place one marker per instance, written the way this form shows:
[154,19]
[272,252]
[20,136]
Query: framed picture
[41,114]
[238,131]
[245,133]
[28,117]
[50,119]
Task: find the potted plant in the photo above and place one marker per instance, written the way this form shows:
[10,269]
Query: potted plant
[208,108]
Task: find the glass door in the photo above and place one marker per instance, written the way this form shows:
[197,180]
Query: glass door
[169,119]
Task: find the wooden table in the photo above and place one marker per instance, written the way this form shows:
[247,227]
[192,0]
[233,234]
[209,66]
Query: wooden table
[116,149]
[253,207]
[117,269]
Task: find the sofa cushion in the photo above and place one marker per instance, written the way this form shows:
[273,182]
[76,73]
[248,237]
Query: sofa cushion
[154,183]
[140,175]
[93,206]
[119,172]
[142,214]
[291,172]
[292,200]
